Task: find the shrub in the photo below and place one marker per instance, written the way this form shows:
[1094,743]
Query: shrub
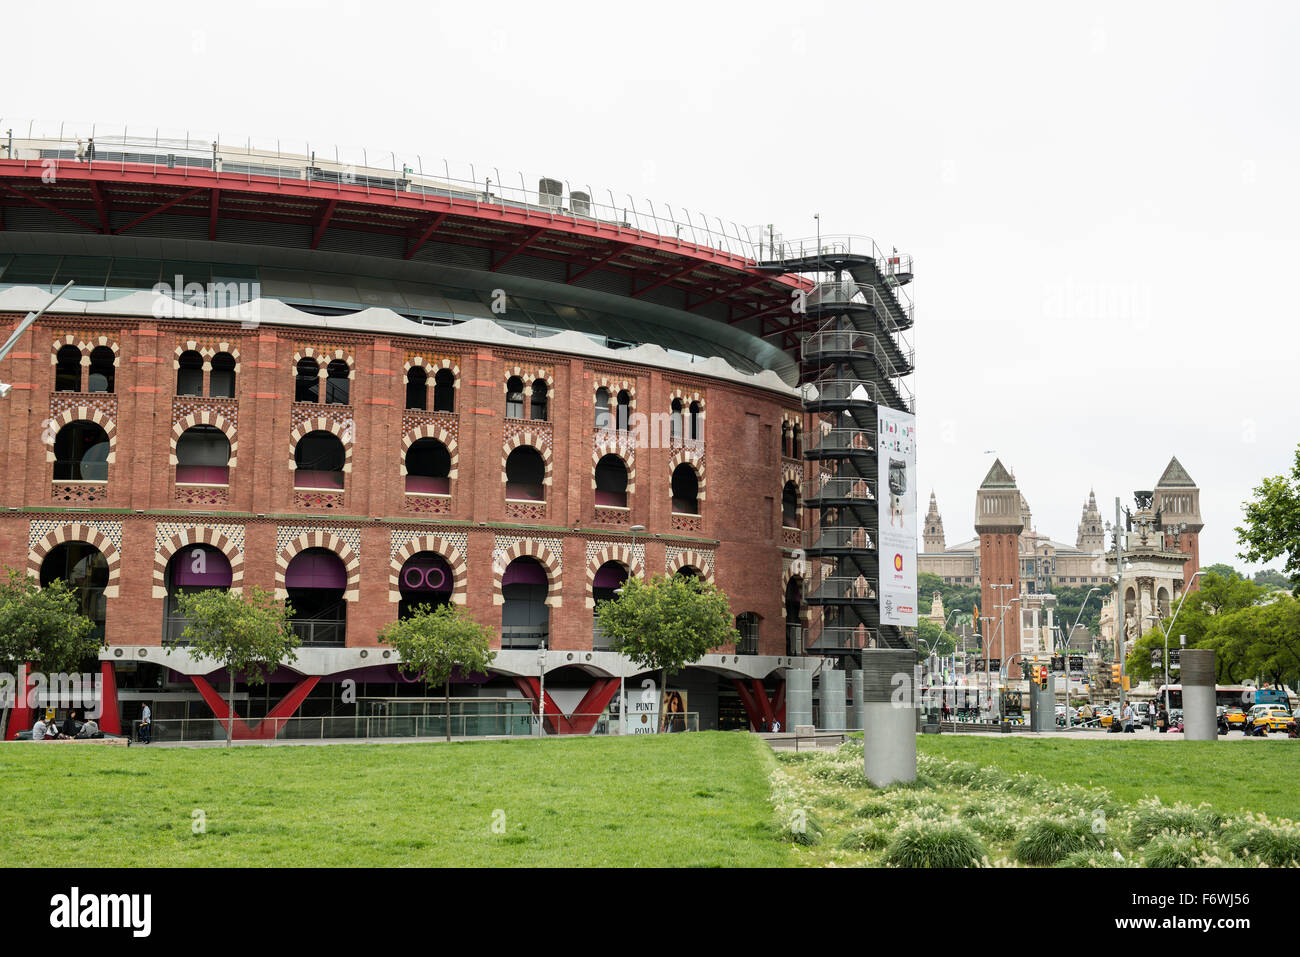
[931,845]
[871,837]
[1171,850]
[994,827]
[1268,844]
[1151,819]
[1093,858]
[1052,839]
[874,809]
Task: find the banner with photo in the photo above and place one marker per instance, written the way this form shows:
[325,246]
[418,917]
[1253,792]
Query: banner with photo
[896,502]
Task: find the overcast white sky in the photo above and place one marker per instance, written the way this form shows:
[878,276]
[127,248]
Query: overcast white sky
[1101,200]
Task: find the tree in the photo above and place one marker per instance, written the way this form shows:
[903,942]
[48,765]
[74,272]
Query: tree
[1272,526]
[436,642]
[42,627]
[249,633]
[1070,600]
[937,640]
[1223,571]
[1271,578]
[668,622]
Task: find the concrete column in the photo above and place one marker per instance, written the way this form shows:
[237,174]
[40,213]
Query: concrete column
[833,703]
[798,698]
[855,712]
[889,715]
[1200,722]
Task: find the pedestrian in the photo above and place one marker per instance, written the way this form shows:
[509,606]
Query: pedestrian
[776,726]
[90,150]
[80,152]
[1162,720]
[146,725]
[1128,717]
[762,725]
[89,729]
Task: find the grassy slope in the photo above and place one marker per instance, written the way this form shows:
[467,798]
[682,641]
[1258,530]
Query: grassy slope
[1231,776]
[680,800]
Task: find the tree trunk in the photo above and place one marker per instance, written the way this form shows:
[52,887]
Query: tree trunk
[230,709]
[446,699]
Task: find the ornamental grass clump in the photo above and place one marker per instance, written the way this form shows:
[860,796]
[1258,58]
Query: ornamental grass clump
[1051,839]
[934,845]
[1173,850]
[867,837]
[993,826]
[1268,843]
[1152,818]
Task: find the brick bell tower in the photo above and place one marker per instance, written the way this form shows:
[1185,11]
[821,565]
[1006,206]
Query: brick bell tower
[1178,500]
[998,522]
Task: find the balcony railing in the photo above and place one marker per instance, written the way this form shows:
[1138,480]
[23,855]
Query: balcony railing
[524,636]
[321,632]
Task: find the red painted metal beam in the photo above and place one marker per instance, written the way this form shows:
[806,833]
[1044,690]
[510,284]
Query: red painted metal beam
[414,247]
[618,250]
[322,221]
[520,247]
[158,209]
[110,719]
[101,207]
[214,209]
[691,267]
[738,287]
[49,206]
[593,704]
[751,706]
[270,726]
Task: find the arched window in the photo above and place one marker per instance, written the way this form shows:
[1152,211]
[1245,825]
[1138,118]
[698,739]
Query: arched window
[85,570]
[193,568]
[67,369]
[189,375]
[687,571]
[337,384]
[609,578]
[202,457]
[602,408]
[686,490]
[444,391]
[623,411]
[222,385]
[696,416]
[785,439]
[428,468]
[747,625]
[81,453]
[793,616]
[537,407]
[101,370]
[525,473]
[790,505]
[425,579]
[515,397]
[417,389]
[306,386]
[525,618]
[611,482]
[796,442]
[318,461]
[316,580]
[675,419]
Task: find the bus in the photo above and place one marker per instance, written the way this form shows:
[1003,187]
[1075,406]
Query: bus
[1228,696]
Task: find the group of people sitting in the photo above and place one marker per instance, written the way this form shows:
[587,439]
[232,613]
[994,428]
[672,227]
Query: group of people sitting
[48,729]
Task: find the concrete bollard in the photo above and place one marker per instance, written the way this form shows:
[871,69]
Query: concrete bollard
[855,712]
[798,697]
[1200,722]
[832,713]
[889,715]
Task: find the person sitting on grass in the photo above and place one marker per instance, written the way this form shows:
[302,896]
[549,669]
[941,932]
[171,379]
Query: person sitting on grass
[44,730]
[89,729]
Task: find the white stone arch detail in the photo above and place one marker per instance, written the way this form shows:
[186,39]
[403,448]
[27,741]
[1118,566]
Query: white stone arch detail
[432,431]
[529,548]
[694,460]
[319,539]
[81,414]
[439,546]
[197,535]
[214,419]
[322,424]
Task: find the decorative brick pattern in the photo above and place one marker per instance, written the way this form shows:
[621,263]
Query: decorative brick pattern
[104,403]
[676,557]
[427,504]
[432,365]
[444,545]
[324,355]
[308,413]
[687,523]
[169,538]
[86,343]
[526,433]
[529,375]
[613,515]
[343,542]
[309,498]
[79,492]
[185,406]
[45,536]
[548,551]
[525,511]
[695,461]
[598,553]
[398,537]
[611,442]
[448,422]
[342,429]
[791,537]
[209,348]
[202,495]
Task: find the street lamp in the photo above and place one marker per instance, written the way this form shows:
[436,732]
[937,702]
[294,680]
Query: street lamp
[1165,631]
[1066,652]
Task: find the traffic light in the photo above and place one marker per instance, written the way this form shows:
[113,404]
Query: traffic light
[1042,677]
[1114,672]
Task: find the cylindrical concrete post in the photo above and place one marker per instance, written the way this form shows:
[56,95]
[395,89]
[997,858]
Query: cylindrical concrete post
[798,698]
[855,710]
[1200,723]
[889,715]
[832,700]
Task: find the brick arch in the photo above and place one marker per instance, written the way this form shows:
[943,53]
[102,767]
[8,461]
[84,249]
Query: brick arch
[611,553]
[615,386]
[695,560]
[526,437]
[529,548]
[78,532]
[214,419]
[319,539]
[197,536]
[432,367]
[623,453]
[323,360]
[81,414]
[68,340]
[322,424]
[687,396]
[791,473]
[691,458]
[94,343]
[797,568]
[529,376]
[439,546]
[208,353]
[432,431]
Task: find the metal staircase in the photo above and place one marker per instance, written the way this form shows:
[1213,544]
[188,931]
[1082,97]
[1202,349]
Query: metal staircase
[854,356]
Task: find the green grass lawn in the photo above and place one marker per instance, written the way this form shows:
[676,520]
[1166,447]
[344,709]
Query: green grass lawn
[676,800]
[1262,776]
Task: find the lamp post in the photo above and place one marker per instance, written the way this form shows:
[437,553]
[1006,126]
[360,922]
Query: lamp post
[987,640]
[1065,650]
[1165,631]
[622,691]
[541,695]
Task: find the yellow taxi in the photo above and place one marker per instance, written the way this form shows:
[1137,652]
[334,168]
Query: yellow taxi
[1235,718]
[1263,718]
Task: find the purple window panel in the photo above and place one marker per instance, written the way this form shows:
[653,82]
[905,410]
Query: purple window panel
[524,573]
[316,570]
[610,575]
[202,475]
[207,569]
[428,486]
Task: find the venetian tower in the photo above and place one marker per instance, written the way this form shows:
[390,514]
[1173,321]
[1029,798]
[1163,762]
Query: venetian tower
[999,522]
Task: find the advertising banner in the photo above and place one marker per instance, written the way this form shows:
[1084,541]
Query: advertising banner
[896,502]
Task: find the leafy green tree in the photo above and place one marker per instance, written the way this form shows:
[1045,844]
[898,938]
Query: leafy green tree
[1223,571]
[43,628]
[1070,600]
[938,641]
[436,642]
[1271,578]
[1272,527]
[668,622]
[249,633]
[963,598]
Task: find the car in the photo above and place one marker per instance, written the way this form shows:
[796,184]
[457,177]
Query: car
[1235,718]
[1263,718]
